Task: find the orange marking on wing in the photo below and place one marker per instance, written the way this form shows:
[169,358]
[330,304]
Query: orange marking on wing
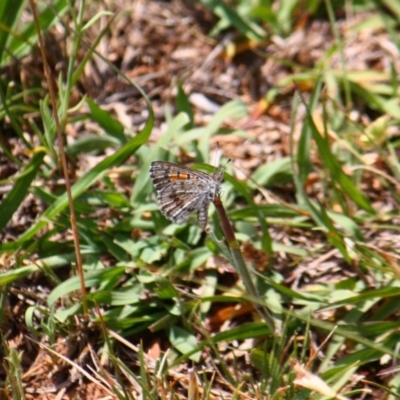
[179,176]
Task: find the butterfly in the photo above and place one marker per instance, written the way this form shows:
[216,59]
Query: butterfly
[181,191]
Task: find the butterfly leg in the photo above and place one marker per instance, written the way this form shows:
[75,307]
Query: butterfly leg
[202,215]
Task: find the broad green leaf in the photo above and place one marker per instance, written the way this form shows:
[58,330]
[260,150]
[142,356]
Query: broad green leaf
[184,341]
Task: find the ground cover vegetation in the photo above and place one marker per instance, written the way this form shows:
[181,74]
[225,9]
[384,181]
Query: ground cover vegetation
[102,297]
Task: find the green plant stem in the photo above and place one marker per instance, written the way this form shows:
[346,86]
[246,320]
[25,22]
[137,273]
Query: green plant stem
[240,263]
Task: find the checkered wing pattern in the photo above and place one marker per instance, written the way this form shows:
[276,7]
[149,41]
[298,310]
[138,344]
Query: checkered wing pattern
[182,191]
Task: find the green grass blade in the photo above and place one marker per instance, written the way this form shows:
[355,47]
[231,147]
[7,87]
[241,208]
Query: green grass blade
[337,174]
[110,125]
[21,42]
[10,11]
[243,189]
[19,190]
[92,278]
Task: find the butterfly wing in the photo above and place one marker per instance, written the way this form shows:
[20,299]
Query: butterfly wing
[182,191]
[177,204]
[163,172]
